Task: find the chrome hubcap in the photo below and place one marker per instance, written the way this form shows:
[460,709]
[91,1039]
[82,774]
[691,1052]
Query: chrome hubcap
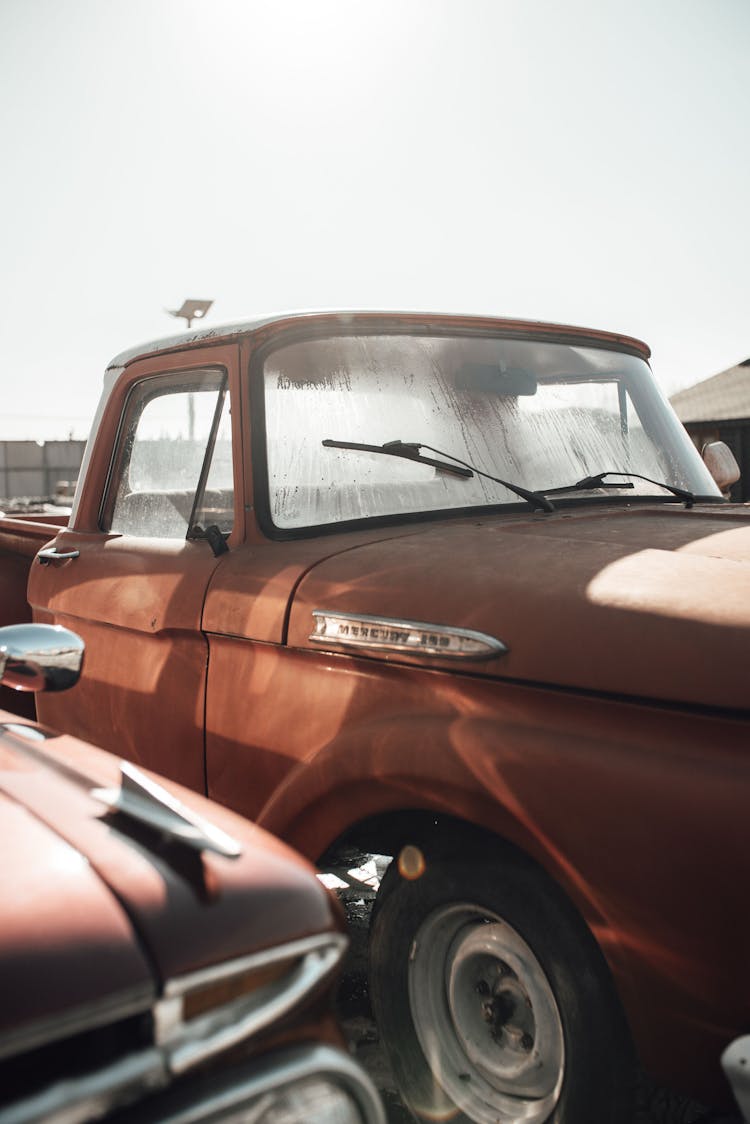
[485,1016]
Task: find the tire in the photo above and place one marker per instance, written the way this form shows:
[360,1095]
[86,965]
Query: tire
[492,999]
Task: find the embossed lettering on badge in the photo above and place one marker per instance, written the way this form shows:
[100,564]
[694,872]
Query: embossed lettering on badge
[386,634]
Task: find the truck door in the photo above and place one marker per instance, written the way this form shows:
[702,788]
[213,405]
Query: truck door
[155,511]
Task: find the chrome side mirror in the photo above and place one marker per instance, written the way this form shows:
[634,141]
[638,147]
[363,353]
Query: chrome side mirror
[734,1062]
[721,463]
[39,657]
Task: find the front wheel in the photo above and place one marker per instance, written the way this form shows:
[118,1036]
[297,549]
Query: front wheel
[493,1000]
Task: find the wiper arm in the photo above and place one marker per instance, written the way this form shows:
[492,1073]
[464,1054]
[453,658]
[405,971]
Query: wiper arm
[410,451]
[597,482]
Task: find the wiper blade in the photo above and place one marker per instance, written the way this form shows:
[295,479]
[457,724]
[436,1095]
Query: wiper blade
[410,451]
[597,482]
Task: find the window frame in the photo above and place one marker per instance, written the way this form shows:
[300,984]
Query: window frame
[254,375]
[136,401]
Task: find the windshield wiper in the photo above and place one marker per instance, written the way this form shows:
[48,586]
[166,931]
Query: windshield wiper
[596,482]
[409,450]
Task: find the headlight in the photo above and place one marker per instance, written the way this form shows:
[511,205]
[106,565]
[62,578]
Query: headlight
[314,1101]
[308,1084]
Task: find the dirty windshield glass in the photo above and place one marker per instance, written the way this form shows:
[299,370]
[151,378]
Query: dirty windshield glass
[541,415]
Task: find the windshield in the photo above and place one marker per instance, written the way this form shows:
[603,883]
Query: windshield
[540,415]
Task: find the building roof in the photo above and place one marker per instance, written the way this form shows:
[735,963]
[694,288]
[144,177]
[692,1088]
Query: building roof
[723,397]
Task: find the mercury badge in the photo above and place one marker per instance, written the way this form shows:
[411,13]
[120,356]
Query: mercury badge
[385,634]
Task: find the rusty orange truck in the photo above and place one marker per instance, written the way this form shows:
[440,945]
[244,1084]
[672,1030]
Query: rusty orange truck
[459,591]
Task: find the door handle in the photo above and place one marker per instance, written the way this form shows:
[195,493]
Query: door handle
[53,555]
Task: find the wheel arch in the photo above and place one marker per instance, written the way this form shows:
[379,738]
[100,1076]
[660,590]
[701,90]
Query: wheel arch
[439,834]
[328,815]
[380,815]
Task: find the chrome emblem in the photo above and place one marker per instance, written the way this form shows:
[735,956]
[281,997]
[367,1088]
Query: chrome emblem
[385,634]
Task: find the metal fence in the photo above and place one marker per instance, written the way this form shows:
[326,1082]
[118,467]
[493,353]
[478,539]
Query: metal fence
[35,468]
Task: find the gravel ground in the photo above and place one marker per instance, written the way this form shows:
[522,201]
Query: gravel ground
[655,1105]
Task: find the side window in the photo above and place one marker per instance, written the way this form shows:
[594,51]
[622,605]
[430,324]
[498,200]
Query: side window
[173,467]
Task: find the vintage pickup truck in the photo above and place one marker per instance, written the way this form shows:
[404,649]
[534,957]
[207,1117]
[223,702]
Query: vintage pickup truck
[458,591]
[161,959]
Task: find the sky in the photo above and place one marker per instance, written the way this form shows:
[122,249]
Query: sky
[579,161]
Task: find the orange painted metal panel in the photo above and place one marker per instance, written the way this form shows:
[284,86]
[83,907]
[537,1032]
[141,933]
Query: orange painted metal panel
[137,603]
[632,808]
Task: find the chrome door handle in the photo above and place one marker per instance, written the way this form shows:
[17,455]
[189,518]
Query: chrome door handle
[52,555]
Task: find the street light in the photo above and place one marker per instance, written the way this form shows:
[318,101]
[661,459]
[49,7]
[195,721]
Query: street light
[191,310]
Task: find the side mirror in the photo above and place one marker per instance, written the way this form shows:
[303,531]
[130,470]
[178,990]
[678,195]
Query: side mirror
[734,1062]
[721,463]
[39,657]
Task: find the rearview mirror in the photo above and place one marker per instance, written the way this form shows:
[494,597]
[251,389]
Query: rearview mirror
[39,657]
[489,378]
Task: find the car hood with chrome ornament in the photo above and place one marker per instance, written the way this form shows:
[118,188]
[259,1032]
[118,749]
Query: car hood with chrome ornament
[129,903]
[649,601]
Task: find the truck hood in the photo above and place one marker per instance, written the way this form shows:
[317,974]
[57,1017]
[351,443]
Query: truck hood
[652,602]
[97,914]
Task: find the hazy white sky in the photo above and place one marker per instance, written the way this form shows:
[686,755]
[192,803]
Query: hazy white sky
[584,161]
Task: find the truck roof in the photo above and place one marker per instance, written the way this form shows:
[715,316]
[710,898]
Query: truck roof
[342,318]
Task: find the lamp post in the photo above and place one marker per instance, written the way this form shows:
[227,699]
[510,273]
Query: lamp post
[191,310]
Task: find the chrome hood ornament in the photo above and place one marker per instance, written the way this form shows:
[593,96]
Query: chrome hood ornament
[143,800]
